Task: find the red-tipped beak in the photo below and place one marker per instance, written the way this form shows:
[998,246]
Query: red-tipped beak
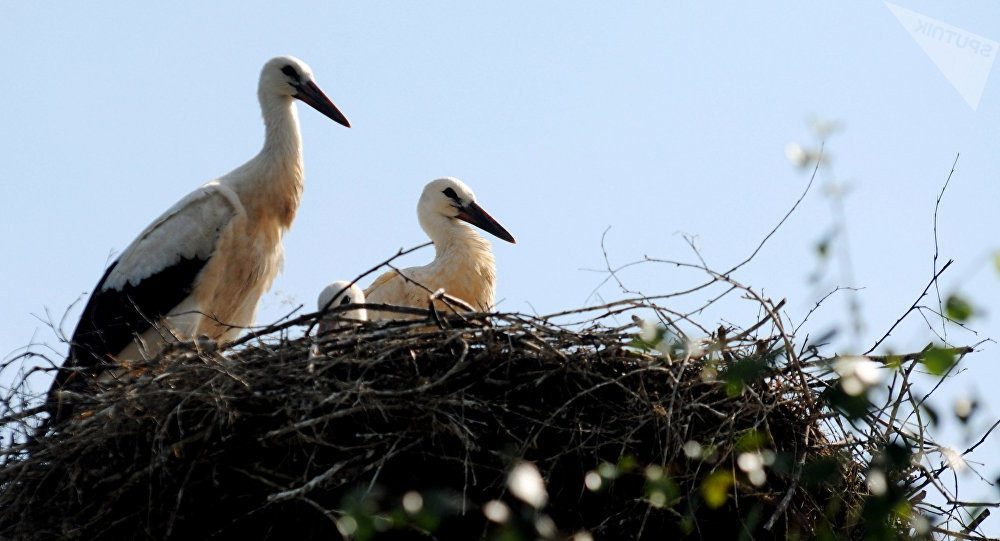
[475,215]
[311,95]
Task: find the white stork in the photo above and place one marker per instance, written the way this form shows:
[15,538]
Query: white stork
[201,267]
[340,293]
[463,264]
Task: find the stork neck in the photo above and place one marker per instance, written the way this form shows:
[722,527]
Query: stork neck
[454,240]
[271,184]
[281,128]
[464,264]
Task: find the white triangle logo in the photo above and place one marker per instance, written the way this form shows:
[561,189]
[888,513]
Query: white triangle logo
[964,58]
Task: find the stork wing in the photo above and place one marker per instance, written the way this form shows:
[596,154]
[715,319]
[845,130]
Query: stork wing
[382,280]
[153,275]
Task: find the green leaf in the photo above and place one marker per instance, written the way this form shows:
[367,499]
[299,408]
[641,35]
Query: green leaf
[627,463]
[608,470]
[853,406]
[662,492]
[742,372]
[894,362]
[752,440]
[821,472]
[715,488]
[996,260]
[897,456]
[939,360]
[957,308]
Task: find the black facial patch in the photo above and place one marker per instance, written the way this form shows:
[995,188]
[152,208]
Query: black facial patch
[292,73]
[450,193]
[345,300]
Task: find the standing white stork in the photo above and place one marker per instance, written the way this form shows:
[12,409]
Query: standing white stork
[340,293]
[463,263]
[201,267]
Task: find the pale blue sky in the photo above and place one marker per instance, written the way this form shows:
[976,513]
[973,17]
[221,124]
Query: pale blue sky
[654,118]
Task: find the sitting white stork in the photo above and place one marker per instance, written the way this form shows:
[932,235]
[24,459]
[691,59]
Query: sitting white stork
[201,267]
[340,293]
[463,264]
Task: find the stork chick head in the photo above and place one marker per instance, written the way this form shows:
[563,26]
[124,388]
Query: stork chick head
[337,294]
[447,200]
[290,78]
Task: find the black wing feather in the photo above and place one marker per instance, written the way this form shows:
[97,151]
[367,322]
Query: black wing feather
[113,318]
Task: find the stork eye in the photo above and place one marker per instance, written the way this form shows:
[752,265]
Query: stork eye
[290,72]
[450,193]
[345,300]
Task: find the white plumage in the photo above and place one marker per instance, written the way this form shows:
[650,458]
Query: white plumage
[201,268]
[463,264]
[340,293]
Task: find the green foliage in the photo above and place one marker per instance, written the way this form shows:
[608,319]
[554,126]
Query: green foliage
[939,360]
[715,488]
[367,513]
[649,342]
[957,308]
[751,440]
[886,505]
[853,406]
[742,373]
[660,489]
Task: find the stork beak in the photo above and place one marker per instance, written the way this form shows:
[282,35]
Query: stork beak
[475,215]
[311,95]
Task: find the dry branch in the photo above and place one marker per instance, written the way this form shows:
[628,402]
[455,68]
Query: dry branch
[288,437]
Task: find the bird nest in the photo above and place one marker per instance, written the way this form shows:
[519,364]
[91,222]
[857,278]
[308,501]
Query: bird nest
[495,426]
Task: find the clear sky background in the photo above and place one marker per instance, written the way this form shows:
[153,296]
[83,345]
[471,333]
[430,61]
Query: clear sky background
[656,119]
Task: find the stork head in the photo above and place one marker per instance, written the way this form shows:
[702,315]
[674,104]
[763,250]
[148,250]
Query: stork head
[341,293]
[448,199]
[287,76]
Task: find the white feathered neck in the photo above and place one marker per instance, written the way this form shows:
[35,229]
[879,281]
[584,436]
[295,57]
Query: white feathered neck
[463,261]
[270,184]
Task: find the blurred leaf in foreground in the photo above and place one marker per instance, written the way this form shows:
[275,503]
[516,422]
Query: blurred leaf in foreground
[957,308]
[939,360]
[715,488]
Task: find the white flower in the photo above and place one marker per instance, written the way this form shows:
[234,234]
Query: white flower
[800,156]
[953,458]
[526,484]
[650,331]
[546,527]
[692,449]
[824,128]
[347,525]
[413,502]
[749,462]
[877,482]
[497,511]
[753,465]
[796,154]
[963,407]
[920,524]
[857,373]
[697,349]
